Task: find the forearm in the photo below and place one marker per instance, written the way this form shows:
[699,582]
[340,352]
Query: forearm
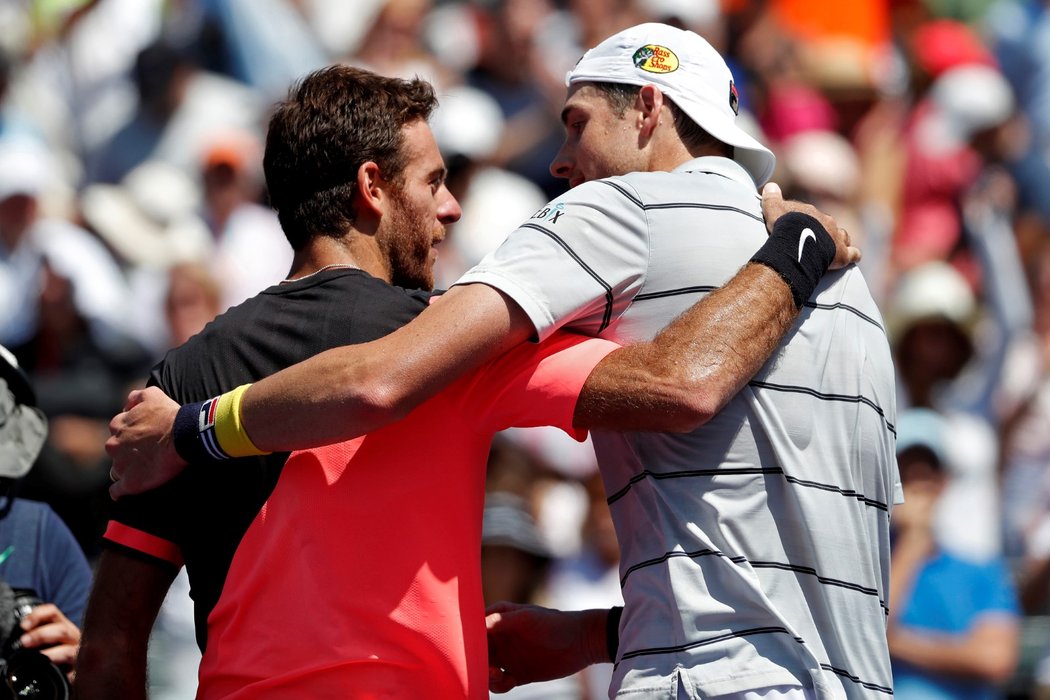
[124,603]
[111,668]
[692,368]
[350,391]
[697,364]
[987,653]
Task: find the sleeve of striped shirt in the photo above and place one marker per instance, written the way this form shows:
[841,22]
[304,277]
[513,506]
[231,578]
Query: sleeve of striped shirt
[578,262]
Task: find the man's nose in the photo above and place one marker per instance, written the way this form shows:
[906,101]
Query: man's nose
[561,166]
[449,211]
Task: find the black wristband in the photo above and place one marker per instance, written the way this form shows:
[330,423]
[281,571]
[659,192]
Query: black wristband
[800,251]
[193,432]
[612,631]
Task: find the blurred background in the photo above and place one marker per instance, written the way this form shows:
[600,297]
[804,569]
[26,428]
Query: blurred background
[132,211]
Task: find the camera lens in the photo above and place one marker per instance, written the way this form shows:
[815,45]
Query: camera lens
[30,674]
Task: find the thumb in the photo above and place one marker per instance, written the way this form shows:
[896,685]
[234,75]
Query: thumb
[772,204]
[771,192]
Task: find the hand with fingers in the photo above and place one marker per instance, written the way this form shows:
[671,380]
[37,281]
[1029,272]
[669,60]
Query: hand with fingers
[140,443]
[530,643]
[49,631]
[774,206]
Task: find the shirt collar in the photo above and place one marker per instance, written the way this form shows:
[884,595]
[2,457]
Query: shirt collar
[719,166]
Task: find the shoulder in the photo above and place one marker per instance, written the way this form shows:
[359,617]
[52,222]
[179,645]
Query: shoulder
[29,513]
[28,517]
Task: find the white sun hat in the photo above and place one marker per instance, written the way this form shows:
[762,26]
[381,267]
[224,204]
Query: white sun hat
[687,70]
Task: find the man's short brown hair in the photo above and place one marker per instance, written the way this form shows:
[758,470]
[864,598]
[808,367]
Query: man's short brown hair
[332,122]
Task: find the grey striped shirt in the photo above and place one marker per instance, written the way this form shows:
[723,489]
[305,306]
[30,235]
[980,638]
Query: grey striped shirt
[755,550]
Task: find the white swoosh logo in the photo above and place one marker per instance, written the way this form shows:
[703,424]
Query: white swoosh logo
[806,235]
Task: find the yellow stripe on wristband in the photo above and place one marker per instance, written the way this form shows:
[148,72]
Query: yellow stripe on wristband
[229,429]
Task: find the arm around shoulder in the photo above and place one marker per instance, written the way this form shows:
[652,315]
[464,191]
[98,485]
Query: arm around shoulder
[349,391]
[691,369]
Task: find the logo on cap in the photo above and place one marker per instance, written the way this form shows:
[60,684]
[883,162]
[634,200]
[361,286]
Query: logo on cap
[654,58]
[734,98]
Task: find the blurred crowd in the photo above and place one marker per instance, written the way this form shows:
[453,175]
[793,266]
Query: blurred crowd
[132,211]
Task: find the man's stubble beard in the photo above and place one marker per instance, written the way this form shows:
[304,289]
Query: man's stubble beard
[406,245]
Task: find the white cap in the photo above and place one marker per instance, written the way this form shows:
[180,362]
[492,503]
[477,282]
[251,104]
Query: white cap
[688,71]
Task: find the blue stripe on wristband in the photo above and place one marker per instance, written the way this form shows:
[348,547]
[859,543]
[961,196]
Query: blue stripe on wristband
[194,432]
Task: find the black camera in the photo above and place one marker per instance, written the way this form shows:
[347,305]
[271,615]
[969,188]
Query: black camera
[25,673]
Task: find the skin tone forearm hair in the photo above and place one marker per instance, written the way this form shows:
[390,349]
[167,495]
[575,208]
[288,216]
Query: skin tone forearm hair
[690,370]
[124,603]
[674,383]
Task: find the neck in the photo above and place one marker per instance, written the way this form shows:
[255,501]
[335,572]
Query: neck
[350,251]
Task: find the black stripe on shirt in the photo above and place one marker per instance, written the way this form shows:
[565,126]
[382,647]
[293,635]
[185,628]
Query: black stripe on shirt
[607,317]
[846,307]
[847,398]
[724,471]
[682,291]
[678,205]
[842,673]
[718,471]
[706,552]
[782,566]
[711,640]
[676,292]
[839,583]
[836,489]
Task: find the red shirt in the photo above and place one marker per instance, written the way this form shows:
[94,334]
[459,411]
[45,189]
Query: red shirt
[360,577]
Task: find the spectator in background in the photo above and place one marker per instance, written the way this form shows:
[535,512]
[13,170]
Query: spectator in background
[65,313]
[32,230]
[39,553]
[193,299]
[953,627]
[943,140]
[930,321]
[250,250]
[180,108]
[514,73]
[151,221]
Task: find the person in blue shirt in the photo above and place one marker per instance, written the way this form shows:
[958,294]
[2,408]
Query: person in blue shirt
[38,553]
[954,627]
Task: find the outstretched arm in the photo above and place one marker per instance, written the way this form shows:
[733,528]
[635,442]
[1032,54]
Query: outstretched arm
[691,369]
[349,391]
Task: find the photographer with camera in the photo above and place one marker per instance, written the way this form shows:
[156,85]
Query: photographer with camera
[44,576]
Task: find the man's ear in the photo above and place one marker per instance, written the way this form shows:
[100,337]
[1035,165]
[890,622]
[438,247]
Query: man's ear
[372,190]
[650,104]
